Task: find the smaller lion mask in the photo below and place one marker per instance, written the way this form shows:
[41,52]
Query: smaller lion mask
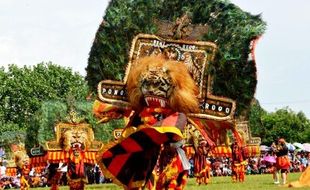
[75,138]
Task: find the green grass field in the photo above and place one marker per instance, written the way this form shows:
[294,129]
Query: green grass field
[252,182]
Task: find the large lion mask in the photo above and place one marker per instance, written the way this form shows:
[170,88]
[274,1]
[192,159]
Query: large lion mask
[157,81]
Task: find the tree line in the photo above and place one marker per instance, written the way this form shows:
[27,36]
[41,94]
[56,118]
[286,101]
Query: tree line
[283,123]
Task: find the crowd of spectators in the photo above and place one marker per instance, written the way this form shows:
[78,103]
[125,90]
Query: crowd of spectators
[257,165]
[35,180]
[39,179]
[220,166]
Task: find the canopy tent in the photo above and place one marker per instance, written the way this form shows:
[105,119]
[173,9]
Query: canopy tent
[290,147]
[306,147]
[298,146]
[270,159]
[264,148]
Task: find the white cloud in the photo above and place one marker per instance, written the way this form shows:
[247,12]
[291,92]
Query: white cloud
[41,30]
[8,51]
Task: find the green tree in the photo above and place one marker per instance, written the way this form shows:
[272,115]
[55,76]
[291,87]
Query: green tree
[3,79]
[8,133]
[256,113]
[24,89]
[284,123]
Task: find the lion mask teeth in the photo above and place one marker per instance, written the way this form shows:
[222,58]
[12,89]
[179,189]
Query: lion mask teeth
[76,145]
[152,101]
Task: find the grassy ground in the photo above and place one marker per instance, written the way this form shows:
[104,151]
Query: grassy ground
[252,182]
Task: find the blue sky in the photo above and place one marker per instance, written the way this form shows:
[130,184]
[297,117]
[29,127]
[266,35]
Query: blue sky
[32,31]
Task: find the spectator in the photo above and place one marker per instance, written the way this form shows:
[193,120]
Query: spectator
[304,162]
[2,169]
[2,152]
[97,174]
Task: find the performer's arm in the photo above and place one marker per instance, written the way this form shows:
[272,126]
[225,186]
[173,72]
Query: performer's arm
[106,112]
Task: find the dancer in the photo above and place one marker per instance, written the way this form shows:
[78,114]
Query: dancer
[238,163]
[283,162]
[273,167]
[161,92]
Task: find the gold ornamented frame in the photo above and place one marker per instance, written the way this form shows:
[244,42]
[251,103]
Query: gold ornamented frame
[117,133]
[245,132]
[195,54]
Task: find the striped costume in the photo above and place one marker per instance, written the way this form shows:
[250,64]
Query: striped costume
[130,160]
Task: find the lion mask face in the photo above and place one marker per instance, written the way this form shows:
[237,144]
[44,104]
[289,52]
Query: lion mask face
[156,86]
[158,82]
[21,159]
[75,139]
